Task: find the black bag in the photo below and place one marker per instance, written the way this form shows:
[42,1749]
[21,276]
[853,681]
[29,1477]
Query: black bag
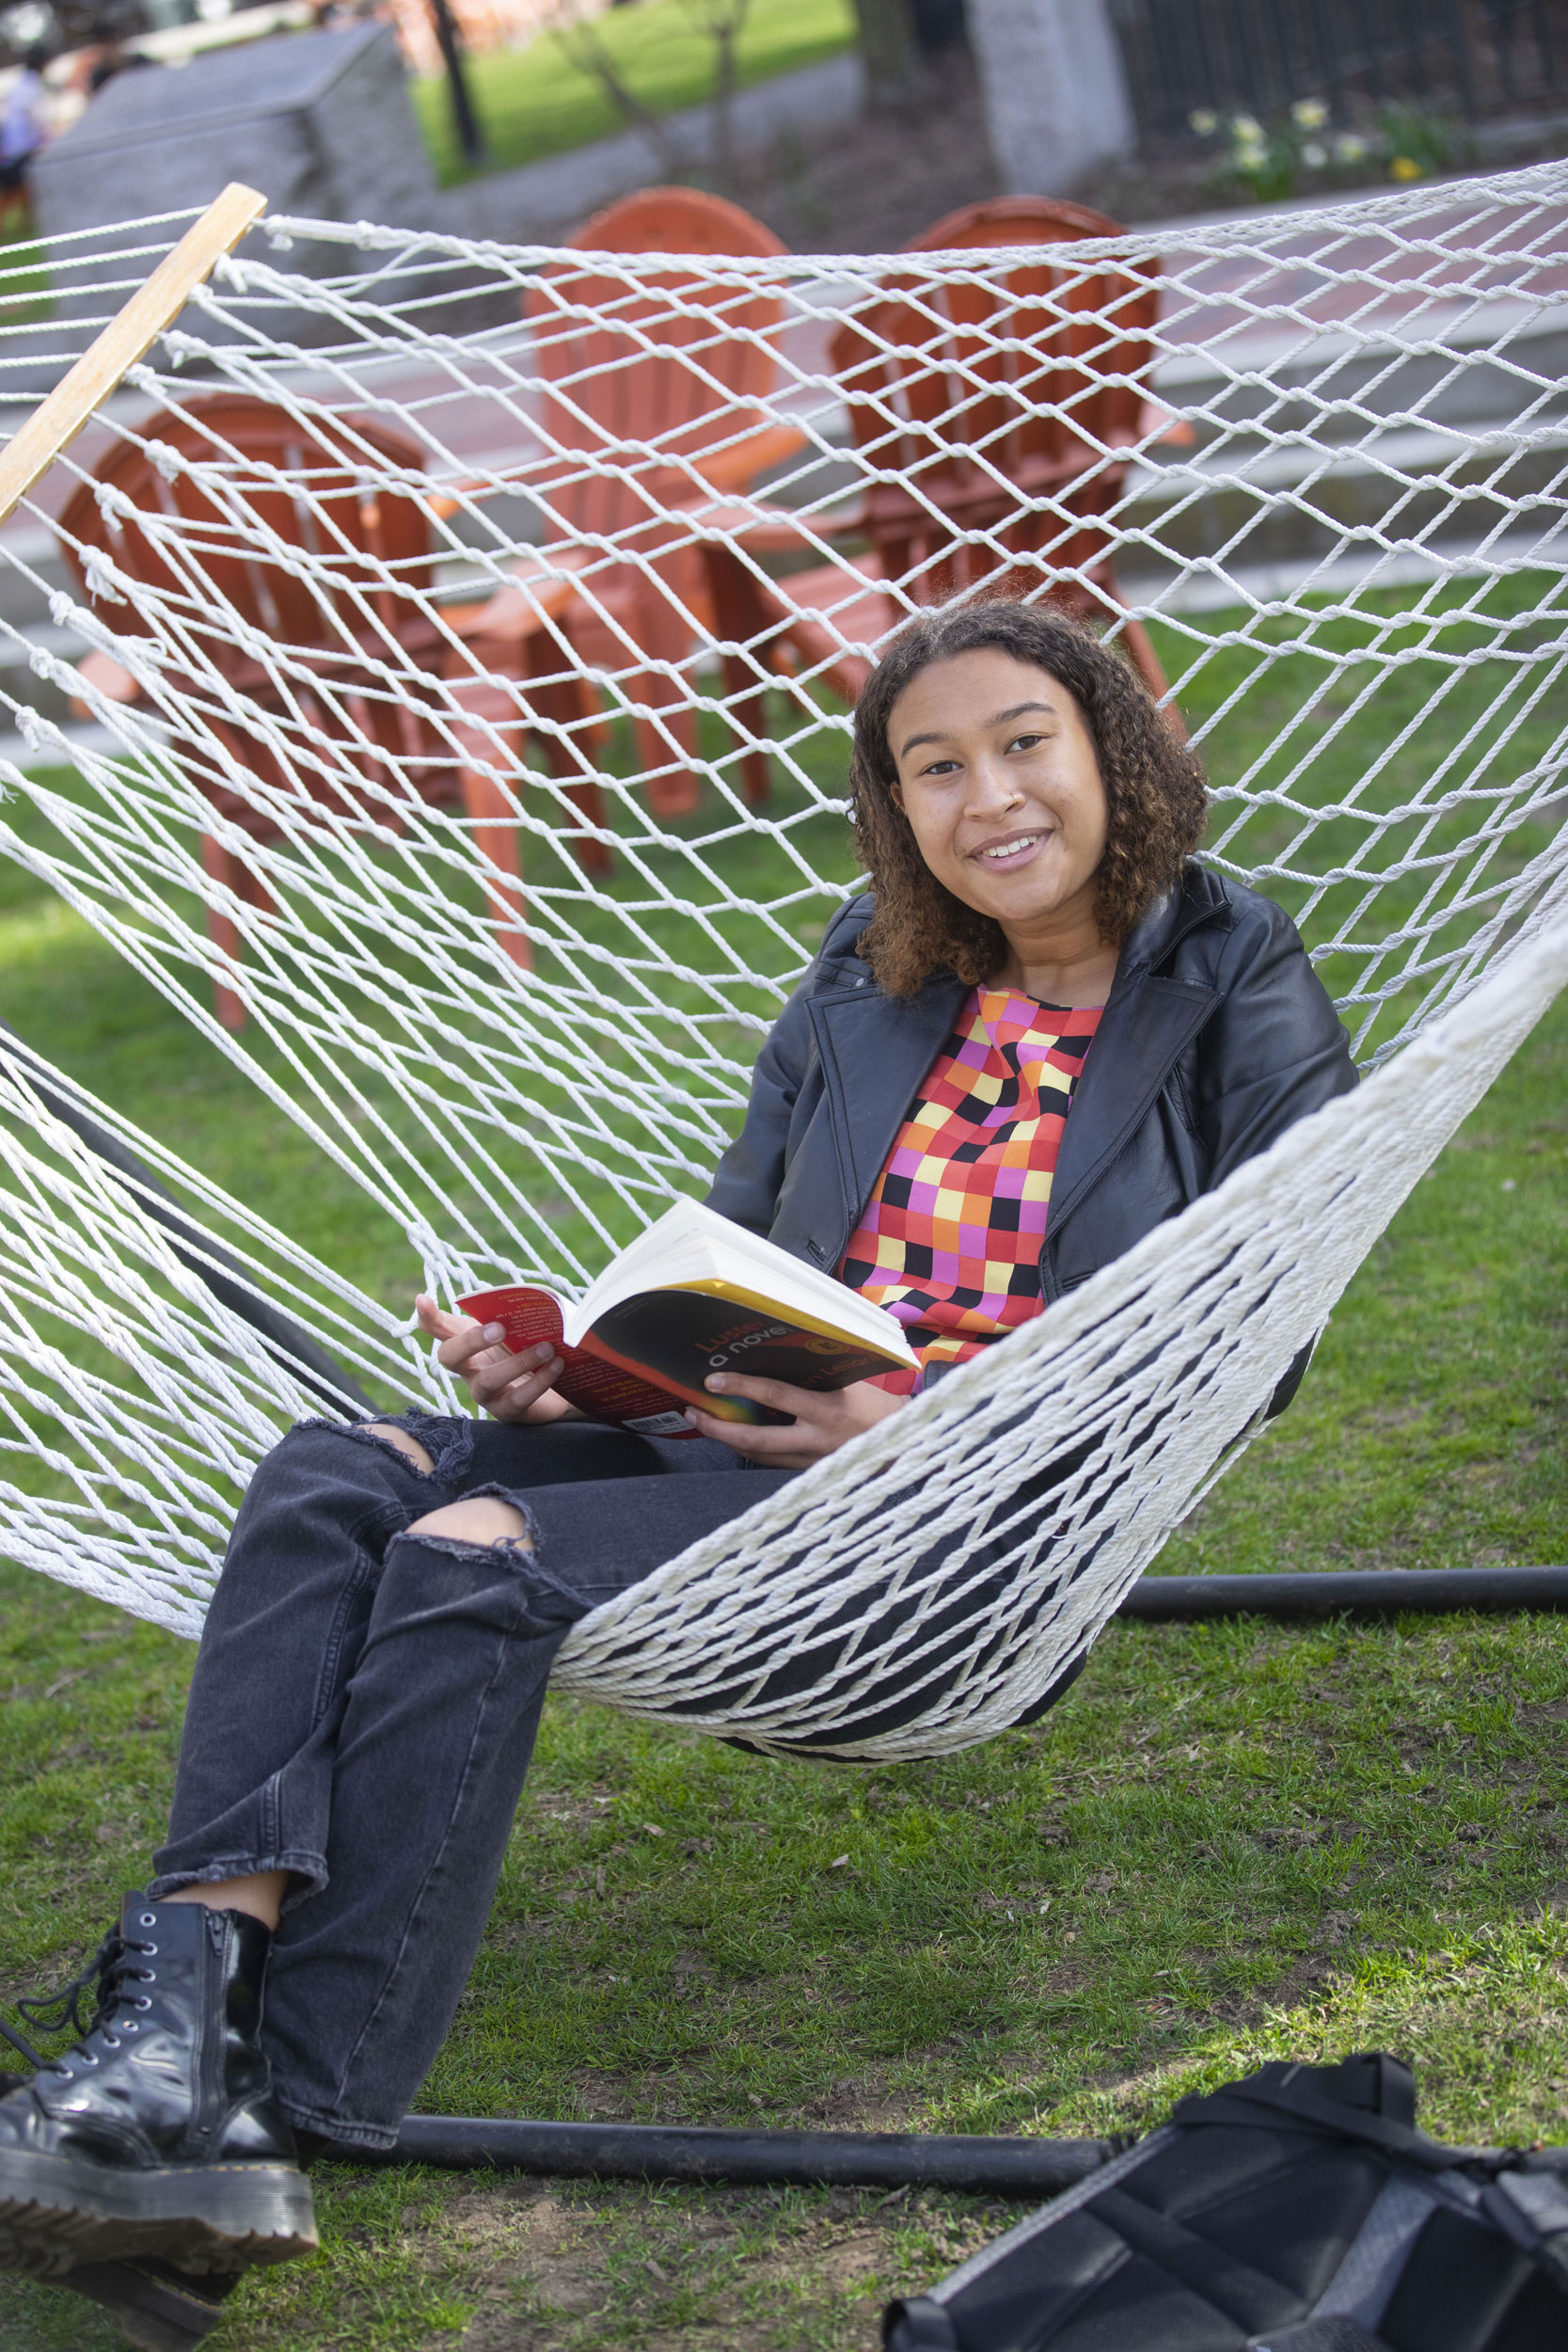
[1298,2211]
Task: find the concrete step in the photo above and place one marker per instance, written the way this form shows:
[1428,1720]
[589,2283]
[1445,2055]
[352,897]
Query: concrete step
[20,644]
[1270,504]
[1163,589]
[1496,366]
[33,570]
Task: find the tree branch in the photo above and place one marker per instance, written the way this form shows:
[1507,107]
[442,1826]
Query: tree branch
[588,50]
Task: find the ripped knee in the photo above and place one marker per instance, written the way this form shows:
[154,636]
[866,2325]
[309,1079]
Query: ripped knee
[483,1519]
[390,1435]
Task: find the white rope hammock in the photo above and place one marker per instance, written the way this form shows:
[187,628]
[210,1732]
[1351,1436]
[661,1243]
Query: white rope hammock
[463,637]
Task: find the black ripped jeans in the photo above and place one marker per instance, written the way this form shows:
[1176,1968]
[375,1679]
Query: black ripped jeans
[364,1707]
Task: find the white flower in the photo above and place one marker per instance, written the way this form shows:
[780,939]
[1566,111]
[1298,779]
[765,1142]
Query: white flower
[1350,148]
[1204,121]
[1247,127]
[1310,113]
[1314,156]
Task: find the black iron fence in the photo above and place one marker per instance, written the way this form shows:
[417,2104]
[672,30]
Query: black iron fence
[1469,56]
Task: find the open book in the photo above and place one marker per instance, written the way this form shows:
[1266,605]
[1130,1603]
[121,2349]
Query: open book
[693,1296]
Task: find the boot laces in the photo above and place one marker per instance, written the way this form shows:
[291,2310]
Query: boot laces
[116,1963]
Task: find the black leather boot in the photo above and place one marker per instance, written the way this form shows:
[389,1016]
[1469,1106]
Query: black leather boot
[156,2136]
[157,2307]
[160,2308]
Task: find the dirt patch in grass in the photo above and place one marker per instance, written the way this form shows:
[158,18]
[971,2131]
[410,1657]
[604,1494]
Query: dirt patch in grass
[718,2270]
[866,2105]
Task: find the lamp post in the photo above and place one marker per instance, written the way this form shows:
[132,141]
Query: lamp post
[465,121]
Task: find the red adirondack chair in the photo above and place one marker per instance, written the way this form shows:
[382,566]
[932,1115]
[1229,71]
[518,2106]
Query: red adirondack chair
[660,378]
[945,386]
[352,644]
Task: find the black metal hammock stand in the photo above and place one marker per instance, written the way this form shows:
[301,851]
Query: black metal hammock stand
[658,2151]
[1017,2167]
[1345,1592]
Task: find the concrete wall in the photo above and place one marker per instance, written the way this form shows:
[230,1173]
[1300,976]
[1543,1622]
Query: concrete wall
[320,122]
[1054,89]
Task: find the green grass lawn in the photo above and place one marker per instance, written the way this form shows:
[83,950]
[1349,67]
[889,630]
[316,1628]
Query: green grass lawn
[535,102]
[1230,1841]
[24,290]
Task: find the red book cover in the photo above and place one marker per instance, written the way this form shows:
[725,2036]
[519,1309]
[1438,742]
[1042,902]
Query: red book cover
[603,1391]
[728,1302]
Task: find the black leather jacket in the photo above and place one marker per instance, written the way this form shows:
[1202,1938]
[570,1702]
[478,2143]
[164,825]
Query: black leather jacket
[1217,1035]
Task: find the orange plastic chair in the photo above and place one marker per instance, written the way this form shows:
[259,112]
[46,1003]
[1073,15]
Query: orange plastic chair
[371,731]
[947,391]
[661,377]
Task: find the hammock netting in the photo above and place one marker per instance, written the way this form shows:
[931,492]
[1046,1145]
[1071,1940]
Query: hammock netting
[460,641]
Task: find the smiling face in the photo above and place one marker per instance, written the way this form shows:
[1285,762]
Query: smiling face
[999,780]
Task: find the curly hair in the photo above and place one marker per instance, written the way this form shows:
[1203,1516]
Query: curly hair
[1155,793]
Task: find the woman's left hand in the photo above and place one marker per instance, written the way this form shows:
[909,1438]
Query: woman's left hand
[824,1421]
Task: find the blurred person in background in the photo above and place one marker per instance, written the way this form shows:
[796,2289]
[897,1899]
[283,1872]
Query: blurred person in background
[23,128]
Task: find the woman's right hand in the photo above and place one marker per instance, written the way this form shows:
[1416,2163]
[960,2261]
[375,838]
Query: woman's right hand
[507,1387]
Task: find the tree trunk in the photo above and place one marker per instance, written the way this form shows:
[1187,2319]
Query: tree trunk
[896,74]
[724,78]
[465,121]
[583,44]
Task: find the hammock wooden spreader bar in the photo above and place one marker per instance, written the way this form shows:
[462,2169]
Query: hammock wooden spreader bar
[129,336]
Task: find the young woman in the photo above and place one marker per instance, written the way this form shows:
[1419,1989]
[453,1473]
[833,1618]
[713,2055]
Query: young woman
[1037,942]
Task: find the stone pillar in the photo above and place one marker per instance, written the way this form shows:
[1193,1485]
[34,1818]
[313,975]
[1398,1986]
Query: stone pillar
[1054,88]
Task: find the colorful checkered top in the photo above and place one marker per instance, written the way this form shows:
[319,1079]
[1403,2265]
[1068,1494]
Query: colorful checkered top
[950,1241]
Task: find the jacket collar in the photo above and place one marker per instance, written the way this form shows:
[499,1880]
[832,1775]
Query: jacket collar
[1150,1019]
[1199,898]
[876,1050]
